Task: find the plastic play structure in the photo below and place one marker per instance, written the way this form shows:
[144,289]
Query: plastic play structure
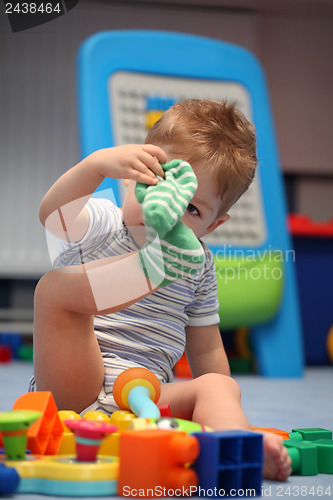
[126,80]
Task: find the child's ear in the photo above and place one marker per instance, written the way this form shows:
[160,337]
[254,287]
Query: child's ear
[217,223]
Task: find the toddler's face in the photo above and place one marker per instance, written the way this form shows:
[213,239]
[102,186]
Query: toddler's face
[202,214]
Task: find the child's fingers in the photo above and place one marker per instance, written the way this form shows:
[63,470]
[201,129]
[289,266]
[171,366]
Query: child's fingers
[155,151]
[152,164]
[141,173]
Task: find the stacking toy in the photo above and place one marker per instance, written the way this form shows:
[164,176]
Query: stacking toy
[88,437]
[14,426]
[138,390]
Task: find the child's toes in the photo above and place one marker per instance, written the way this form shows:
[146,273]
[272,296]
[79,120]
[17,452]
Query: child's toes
[277,463]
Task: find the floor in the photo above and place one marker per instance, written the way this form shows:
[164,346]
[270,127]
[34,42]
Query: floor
[280,403]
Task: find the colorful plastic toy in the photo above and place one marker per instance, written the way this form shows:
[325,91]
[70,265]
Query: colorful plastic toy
[310,434]
[167,423]
[230,460]
[304,457]
[13,341]
[311,451]
[138,390]
[88,437]
[9,480]
[110,444]
[14,426]
[273,430]
[64,476]
[5,354]
[60,476]
[44,436]
[160,466]
[165,410]
[67,445]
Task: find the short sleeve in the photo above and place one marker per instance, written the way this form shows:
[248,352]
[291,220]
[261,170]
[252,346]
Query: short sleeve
[203,310]
[105,219]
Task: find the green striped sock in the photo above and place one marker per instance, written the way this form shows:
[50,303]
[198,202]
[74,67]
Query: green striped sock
[166,202]
[172,250]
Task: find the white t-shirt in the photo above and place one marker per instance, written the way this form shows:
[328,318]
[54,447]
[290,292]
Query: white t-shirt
[151,332]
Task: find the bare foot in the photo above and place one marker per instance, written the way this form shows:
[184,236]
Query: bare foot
[277,463]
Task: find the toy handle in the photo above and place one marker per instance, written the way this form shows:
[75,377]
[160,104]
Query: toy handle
[140,403]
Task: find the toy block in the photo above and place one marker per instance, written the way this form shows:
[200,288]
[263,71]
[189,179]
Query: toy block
[229,460]
[312,433]
[160,466]
[304,457]
[5,354]
[44,436]
[12,340]
[25,353]
[325,455]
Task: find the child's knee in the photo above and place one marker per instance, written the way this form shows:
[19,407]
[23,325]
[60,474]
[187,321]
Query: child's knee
[44,286]
[47,291]
[219,383]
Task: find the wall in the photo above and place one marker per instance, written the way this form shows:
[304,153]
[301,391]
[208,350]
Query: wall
[38,100]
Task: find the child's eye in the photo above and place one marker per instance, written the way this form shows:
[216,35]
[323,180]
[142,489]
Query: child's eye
[192,209]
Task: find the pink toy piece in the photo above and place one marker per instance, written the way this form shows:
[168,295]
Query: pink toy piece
[88,437]
[90,429]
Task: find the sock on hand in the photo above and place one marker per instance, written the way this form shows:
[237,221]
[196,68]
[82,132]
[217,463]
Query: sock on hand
[172,250]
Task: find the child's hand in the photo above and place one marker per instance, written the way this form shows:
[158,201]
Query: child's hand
[139,162]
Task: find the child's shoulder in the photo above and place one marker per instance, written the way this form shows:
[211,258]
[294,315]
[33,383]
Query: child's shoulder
[208,253]
[104,206]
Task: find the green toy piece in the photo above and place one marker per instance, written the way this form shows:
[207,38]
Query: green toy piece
[325,455]
[312,433]
[311,451]
[13,427]
[304,457]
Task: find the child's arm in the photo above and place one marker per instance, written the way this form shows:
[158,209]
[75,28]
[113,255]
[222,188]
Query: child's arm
[62,209]
[205,351]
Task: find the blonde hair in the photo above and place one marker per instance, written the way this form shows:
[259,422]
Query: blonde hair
[211,135]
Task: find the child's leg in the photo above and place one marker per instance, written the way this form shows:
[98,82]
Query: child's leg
[67,358]
[212,400]
[215,400]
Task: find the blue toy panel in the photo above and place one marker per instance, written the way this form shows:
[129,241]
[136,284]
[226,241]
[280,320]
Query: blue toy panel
[278,345]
